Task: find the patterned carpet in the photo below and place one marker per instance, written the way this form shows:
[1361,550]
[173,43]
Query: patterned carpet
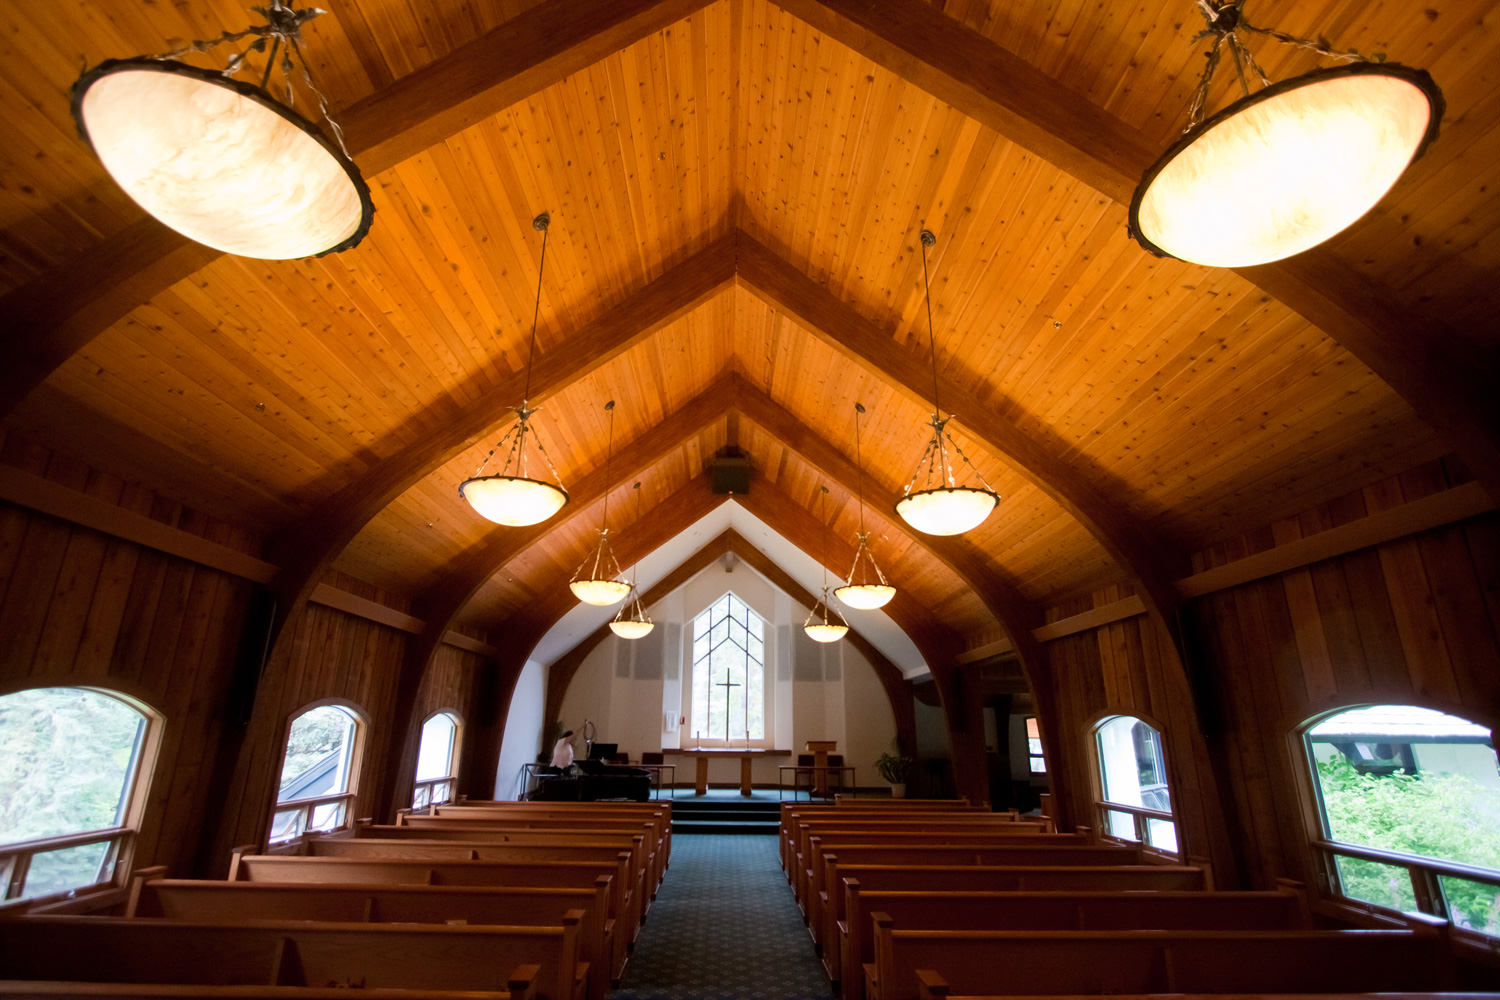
[724,927]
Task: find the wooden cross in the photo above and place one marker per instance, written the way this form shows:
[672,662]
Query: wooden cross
[726,685]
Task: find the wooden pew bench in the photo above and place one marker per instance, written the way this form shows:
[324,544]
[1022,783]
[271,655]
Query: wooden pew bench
[977,823]
[1153,961]
[207,901]
[794,815]
[1004,878]
[293,953]
[521,846]
[954,847]
[35,989]
[817,880]
[851,949]
[533,832]
[420,871]
[659,814]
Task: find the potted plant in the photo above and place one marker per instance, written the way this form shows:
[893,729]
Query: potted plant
[894,768]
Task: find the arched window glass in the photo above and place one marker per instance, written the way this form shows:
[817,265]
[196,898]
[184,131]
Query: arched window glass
[1405,782]
[1136,803]
[436,761]
[317,772]
[71,765]
[729,677]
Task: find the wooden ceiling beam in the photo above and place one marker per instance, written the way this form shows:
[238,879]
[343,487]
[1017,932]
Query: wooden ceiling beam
[55,315]
[1145,561]
[1443,375]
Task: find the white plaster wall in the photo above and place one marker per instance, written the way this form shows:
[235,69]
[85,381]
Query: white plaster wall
[869,725]
[522,739]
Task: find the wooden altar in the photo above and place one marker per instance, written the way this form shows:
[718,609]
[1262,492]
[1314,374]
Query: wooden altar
[744,754]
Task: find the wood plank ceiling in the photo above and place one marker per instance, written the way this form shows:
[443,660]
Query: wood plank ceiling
[1185,404]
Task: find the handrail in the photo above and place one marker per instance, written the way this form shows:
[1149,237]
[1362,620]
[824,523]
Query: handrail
[1140,819]
[45,844]
[1398,859]
[1135,810]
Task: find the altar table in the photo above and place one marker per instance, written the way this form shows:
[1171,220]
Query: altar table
[744,754]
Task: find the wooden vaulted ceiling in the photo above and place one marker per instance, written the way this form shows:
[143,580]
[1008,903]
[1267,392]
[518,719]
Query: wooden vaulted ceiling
[736,189]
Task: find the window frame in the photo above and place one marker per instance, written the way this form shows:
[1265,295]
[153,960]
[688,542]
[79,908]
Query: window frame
[424,789]
[1424,873]
[689,639]
[306,809]
[1141,816]
[1036,758]
[16,858]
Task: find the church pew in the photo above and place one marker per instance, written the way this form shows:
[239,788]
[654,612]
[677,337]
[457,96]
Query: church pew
[814,841]
[657,813]
[797,838]
[546,849]
[1283,909]
[647,862]
[829,908]
[295,953]
[1154,961]
[794,814]
[209,901]
[931,986]
[535,831]
[814,877]
[247,867]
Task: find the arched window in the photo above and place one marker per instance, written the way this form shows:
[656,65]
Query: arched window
[317,772]
[437,761]
[1409,809]
[729,676]
[74,766]
[1135,803]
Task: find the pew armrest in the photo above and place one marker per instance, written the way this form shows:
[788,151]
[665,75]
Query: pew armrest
[930,985]
[522,982]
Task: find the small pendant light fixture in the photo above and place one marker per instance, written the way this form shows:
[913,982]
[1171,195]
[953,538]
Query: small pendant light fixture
[1289,166]
[824,624]
[511,496]
[946,508]
[593,582]
[866,589]
[632,622]
[220,160]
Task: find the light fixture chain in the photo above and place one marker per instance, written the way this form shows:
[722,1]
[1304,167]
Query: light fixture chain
[966,461]
[541,221]
[859,468]
[609,454]
[295,45]
[543,449]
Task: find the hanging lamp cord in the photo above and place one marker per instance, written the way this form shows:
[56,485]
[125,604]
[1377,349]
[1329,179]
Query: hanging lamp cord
[609,455]
[540,222]
[927,240]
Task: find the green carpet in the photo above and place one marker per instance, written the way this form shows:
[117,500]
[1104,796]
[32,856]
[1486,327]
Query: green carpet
[724,927]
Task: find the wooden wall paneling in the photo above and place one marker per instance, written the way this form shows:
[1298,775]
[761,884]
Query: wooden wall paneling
[1469,635]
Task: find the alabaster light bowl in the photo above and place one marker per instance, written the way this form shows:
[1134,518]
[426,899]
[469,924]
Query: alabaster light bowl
[865,596]
[511,500]
[631,628]
[600,593]
[1286,168]
[950,510]
[220,161]
[825,632]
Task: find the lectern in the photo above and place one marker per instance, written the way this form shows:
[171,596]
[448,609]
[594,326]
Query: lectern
[820,749]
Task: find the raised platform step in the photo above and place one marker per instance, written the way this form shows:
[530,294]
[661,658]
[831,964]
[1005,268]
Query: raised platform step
[723,815]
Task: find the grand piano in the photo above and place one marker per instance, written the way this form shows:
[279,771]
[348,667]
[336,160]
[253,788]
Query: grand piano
[596,781]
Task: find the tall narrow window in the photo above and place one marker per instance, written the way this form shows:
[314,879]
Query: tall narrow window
[317,773]
[1136,804]
[1409,802]
[729,678]
[1034,746]
[73,770]
[437,760]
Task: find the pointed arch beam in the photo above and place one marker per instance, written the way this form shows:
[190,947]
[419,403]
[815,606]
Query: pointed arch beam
[1446,377]
[897,690]
[57,314]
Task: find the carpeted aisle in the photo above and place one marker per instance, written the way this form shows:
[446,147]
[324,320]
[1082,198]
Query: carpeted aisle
[724,927]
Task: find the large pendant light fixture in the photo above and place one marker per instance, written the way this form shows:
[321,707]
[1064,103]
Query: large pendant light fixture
[823,624]
[511,496]
[220,160]
[934,502]
[632,622]
[594,580]
[866,589]
[1289,166]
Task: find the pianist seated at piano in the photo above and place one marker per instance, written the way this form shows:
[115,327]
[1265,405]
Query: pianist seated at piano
[593,779]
